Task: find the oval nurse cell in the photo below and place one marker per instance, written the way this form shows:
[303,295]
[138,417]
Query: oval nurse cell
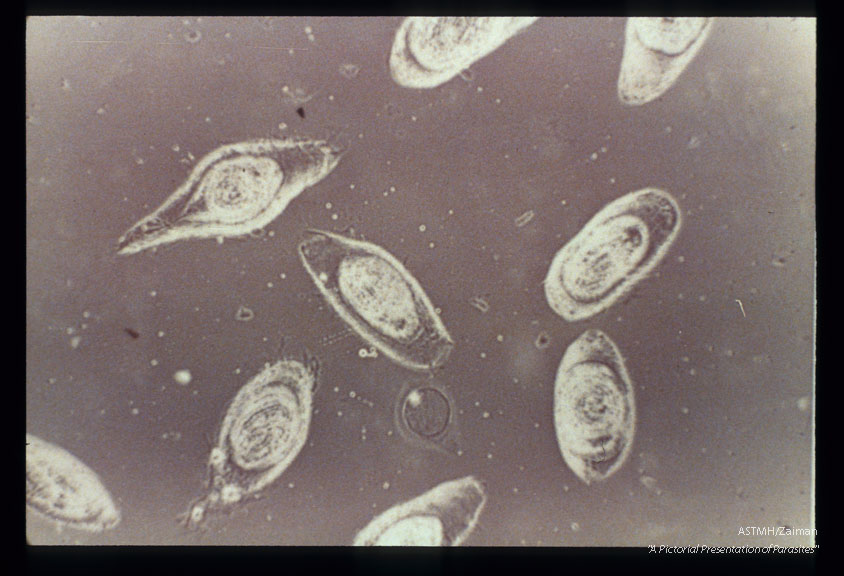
[233,191]
[378,298]
[426,416]
[262,432]
[66,491]
[429,51]
[616,249]
[594,407]
[444,516]
[656,51]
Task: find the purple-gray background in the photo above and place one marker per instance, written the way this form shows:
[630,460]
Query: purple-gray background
[120,109]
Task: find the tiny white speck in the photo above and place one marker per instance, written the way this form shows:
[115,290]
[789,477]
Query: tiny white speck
[385,486]
[153,362]
[182,377]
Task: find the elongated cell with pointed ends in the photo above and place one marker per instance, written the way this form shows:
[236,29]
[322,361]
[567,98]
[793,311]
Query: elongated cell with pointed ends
[429,51]
[442,516]
[263,430]
[66,491]
[616,249]
[234,190]
[594,407]
[426,416]
[378,298]
[656,51]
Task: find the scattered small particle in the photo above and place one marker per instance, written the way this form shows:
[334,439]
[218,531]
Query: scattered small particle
[182,377]
[422,228]
[193,36]
[524,219]
[349,70]
[74,342]
[244,314]
[804,403]
[300,111]
[479,303]
[543,340]
[385,486]
[153,362]
[133,333]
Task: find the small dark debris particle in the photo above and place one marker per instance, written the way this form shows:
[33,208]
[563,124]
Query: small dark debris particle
[133,333]
[300,111]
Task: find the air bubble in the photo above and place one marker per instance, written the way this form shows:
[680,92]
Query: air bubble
[426,416]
